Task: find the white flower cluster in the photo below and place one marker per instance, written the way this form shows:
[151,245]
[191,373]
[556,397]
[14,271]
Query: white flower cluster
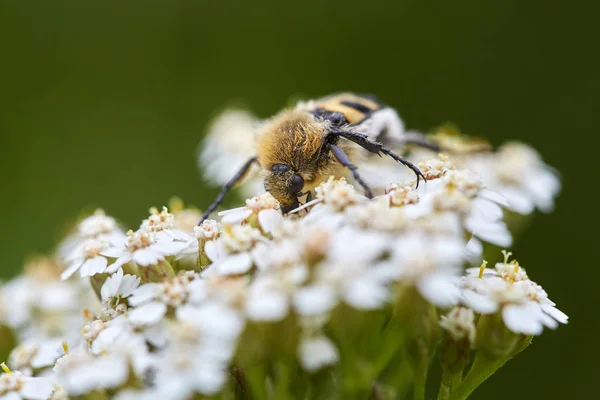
[182,310]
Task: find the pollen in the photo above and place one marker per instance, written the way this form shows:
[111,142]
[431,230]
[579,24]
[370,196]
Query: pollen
[5,368]
[482,269]
[506,255]
[65,346]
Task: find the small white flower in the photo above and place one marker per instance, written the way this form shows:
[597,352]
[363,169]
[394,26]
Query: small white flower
[34,354]
[460,324]
[16,386]
[144,248]
[338,194]
[87,258]
[317,352]
[118,286]
[264,207]
[97,226]
[227,146]
[431,264]
[163,224]
[80,372]
[524,305]
[435,168]
[231,253]
[517,172]
[151,301]
[207,230]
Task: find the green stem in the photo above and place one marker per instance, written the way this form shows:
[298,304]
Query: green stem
[483,367]
[456,380]
[418,356]
[449,382]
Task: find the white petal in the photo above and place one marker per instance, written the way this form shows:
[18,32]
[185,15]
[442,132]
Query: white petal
[146,256]
[119,262]
[47,354]
[314,300]
[555,313]
[234,264]
[198,291]
[316,353]
[113,252]
[111,285]
[518,200]
[11,396]
[236,216]
[214,319]
[144,294]
[495,197]
[93,266]
[523,318]
[365,294]
[548,321]
[148,314]
[269,219]
[441,290]
[209,378]
[354,245]
[37,388]
[542,187]
[486,209]
[214,249]
[264,305]
[169,248]
[480,303]
[67,273]
[474,248]
[128,285]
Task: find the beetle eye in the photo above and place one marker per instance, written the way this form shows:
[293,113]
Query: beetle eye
[280,168]
[297,184]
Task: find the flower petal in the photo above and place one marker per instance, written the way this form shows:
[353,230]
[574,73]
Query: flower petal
[523,318]
[93,266]
[148,314]
[269,219]
[314,300]
[317,353]
[234,264]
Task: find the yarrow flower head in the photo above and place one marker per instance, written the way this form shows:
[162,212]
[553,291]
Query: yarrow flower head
[523,304]
[264,209]
[257,301]
[15,385]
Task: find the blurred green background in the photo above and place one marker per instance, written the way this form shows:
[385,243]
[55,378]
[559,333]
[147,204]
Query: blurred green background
[102,103]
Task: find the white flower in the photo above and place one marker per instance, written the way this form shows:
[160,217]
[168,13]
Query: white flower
[80,372]
[214,319]
[338,194]
[460,324]
[163,223]
[118,286]
[264,207]
[192,364]
[231,253]
[207,230]
[434,168]
[34,354]
[87,258]
[430,263]
[517,172]
[524,305]
[150,301]
[317,352]
[227,146]
[15,386]
[144,248]
[97,226]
